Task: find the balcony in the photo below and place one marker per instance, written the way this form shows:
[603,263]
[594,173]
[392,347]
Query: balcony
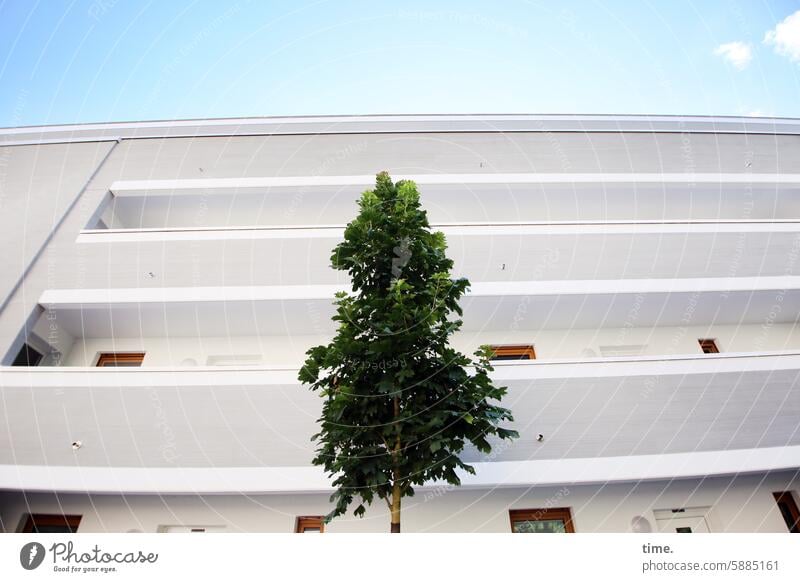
[760,313]
[298,255]
[669,405]
[500,227]
[450,198]
[616,412]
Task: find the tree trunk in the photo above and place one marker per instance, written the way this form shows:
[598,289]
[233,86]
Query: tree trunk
[396,490]
[395,508]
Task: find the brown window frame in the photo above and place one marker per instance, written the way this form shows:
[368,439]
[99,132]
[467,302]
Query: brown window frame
[786,498]
[544,514]
[51,519]
[514,350]
[305,522]
[119,357]
[708,343]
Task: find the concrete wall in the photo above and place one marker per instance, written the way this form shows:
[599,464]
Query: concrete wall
[737,504]
[37,184]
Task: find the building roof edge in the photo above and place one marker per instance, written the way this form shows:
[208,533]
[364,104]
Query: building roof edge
[365,124]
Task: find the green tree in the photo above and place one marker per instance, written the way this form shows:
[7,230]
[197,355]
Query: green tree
[400,403]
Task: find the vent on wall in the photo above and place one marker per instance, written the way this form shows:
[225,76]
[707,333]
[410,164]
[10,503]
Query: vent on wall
[623,350]
[191,528]
[234,360]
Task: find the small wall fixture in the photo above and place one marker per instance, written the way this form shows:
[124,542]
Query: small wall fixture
[540,438]
[76,445]
[150,275]
[640,524]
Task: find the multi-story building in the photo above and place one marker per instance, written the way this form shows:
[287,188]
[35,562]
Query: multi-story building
[640,277]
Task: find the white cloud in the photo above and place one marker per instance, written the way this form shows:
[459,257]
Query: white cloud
[738,54]
[785,38]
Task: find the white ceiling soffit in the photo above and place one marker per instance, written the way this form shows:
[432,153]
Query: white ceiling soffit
[303,310]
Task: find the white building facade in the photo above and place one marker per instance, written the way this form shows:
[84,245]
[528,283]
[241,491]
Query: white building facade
[161,282]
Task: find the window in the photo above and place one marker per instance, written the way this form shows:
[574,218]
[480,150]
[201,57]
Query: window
[513,352]
[551,520]
[120,359]
[27,356]
[709,346]
[789,511]
[310,524]
[51,523]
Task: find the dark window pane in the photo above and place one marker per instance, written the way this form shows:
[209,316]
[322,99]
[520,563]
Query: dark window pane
[27,356]
[120,360]
[709,346]
[789,510]
[310,524]
[543,520]
[51,529]
[518,352]
[51,523]
[540,526]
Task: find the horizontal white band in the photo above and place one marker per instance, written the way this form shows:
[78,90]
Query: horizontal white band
[312,479]
[499,123]
[219,376]
[336,231]
[86,297]
[190,185]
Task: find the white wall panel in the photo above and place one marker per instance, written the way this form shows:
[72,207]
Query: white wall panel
[737,504]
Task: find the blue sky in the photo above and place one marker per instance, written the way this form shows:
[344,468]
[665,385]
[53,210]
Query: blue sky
[114,60]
